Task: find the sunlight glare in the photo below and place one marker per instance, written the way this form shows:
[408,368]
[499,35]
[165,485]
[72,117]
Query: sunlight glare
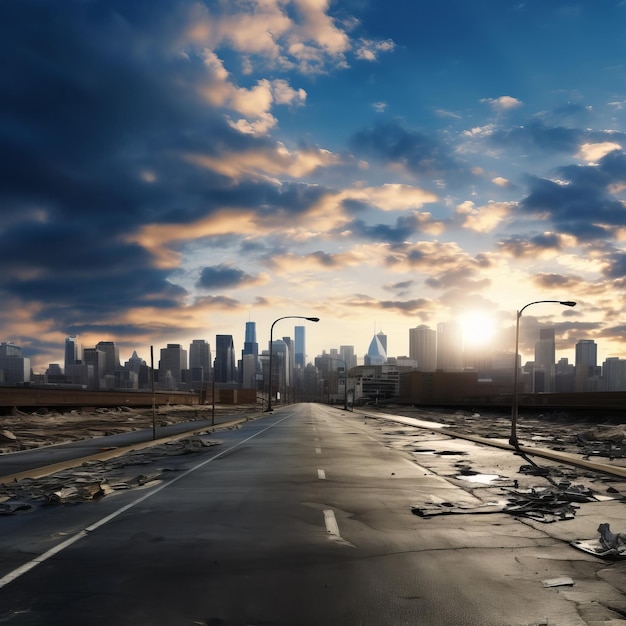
[478,328]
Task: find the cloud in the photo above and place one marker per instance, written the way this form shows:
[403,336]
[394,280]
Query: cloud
[417,153]
[486,218]
[503,103]
[550,281]
[522,247]
[369,50]
[404,307]
[298,35]
[592,152]
[224,276]
[580,202]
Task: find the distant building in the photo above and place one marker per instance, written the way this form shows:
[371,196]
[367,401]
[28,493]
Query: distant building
[9,349]
[376,354]
[200,357]
[14,368]
[250,344]
[300,346]
[73,351]
[586,364]
[423,347]
[346,354]
[545,357]
[449,347]
[97,360]
[614,374]
[111,356]
[224,365]
[172,365]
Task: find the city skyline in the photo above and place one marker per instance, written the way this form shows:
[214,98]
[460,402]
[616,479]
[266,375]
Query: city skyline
[450,345]
[174,169]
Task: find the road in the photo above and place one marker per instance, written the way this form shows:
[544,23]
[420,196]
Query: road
[302,517]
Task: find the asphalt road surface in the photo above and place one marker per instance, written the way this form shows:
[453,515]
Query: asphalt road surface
[299,518]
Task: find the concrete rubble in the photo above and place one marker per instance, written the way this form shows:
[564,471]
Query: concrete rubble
[96,479]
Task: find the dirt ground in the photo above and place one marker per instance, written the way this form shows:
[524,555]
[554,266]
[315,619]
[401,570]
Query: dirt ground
[23,431]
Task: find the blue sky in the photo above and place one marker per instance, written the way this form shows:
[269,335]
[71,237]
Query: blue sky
[171,170]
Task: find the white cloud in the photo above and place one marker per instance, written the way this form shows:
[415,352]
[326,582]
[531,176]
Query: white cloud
[503,103]
[485,218]
[593,152]
[369,50]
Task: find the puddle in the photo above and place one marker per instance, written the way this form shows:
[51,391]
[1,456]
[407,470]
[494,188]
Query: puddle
[451,453]
[480,478]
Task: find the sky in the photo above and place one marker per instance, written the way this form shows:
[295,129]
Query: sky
[173,169]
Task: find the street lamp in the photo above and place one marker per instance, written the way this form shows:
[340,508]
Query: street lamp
[301,317]
[345,386]
[513,439]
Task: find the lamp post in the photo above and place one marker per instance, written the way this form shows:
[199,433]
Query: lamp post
[513,439]
[301,317]
[345,385]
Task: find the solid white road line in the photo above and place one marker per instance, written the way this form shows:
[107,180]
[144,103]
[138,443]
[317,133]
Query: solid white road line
[22,569]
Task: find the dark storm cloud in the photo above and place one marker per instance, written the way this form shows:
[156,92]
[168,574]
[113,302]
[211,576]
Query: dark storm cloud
[536,135]
[223,276]
[421,154]
[581,206]
[404,228]
[98,105]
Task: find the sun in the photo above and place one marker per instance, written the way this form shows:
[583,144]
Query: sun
[479,328]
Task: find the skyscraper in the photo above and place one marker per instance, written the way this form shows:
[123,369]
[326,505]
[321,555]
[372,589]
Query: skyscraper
[423,347]
[250,345]
[449,347]
[383,342]
[73,353]
[376,354]
[300,348]
[586,365]
[346,353]
[545,359]
[112,357]
[171,366]
[224,367]
[200,357]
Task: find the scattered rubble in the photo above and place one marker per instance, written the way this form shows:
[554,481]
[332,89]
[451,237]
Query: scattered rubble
[23,431]
[96,479]
[608,545]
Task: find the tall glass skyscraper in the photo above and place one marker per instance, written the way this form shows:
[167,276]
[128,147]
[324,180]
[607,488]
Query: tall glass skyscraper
[73,352]
[224,367]
[250,344]
[299,347]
